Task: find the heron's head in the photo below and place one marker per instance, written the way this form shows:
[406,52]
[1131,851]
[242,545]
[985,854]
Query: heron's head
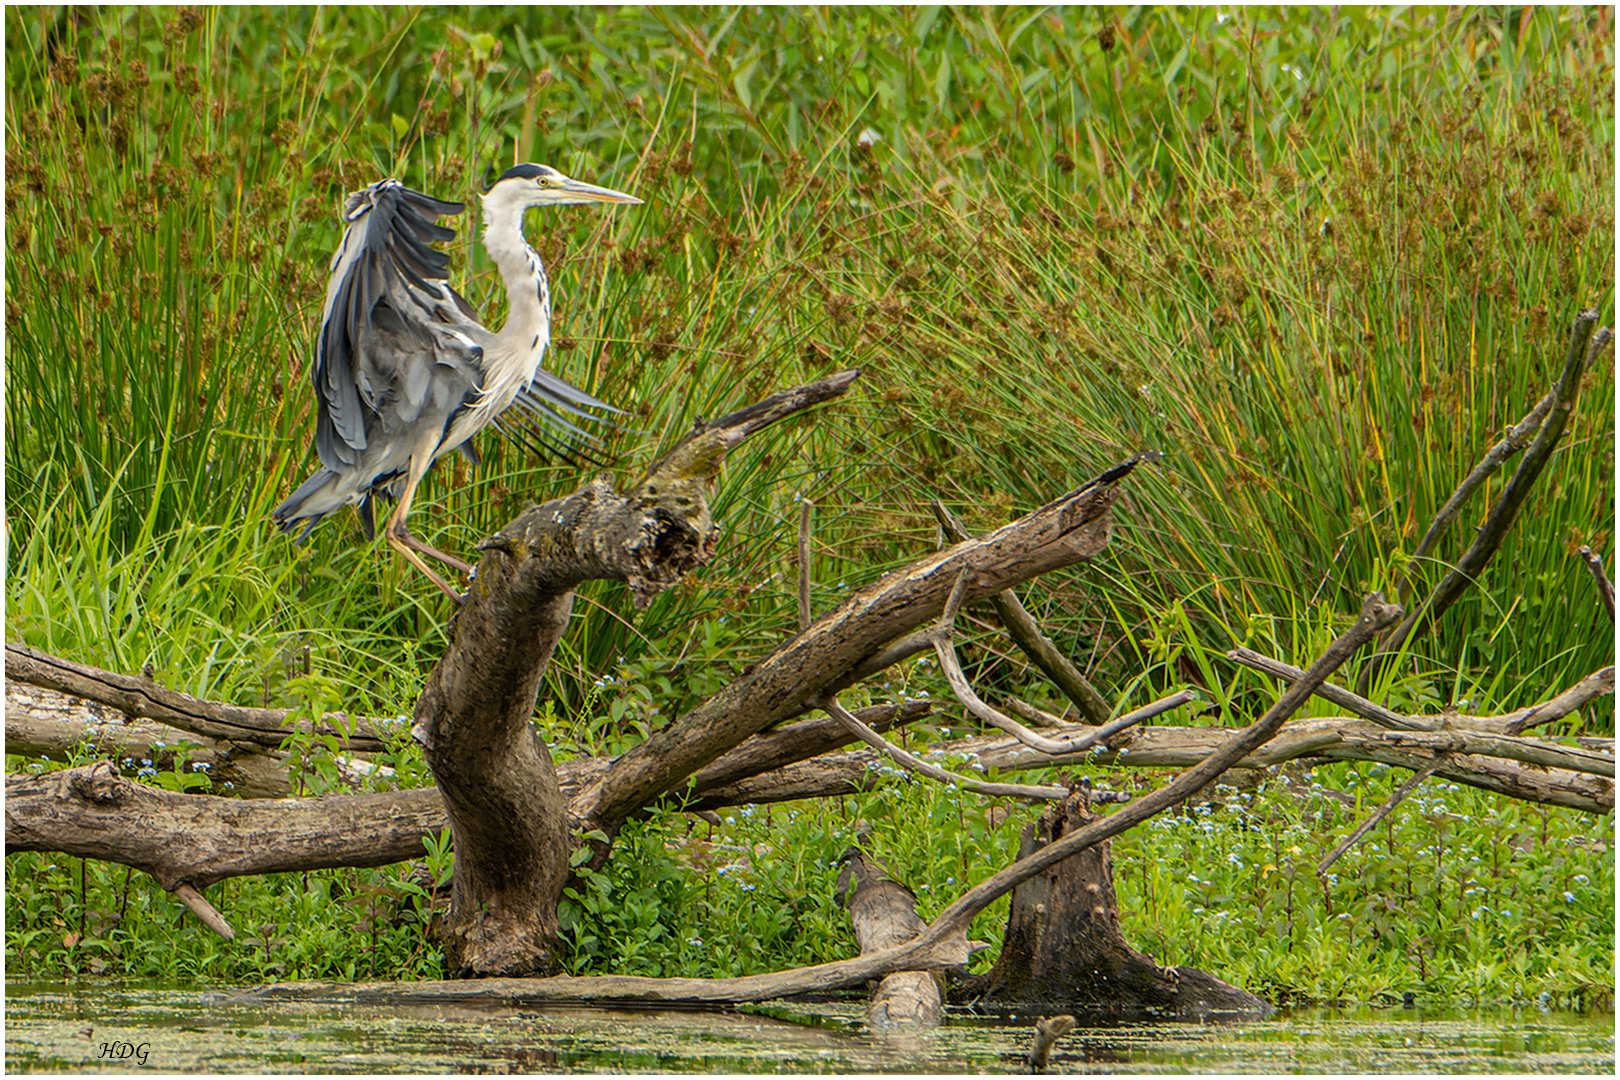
[523,186]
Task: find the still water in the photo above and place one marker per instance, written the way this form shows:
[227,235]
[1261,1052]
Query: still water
[127,1028]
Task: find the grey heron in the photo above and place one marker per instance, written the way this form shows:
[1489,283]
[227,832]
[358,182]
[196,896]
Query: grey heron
[405,373]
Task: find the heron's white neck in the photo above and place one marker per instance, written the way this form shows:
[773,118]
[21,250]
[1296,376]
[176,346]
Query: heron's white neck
[527,330]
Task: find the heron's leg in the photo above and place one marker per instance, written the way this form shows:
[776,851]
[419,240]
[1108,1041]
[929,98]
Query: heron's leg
[416,560]
[400,539]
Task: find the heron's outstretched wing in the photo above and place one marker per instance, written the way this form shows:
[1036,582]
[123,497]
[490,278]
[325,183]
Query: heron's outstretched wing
[394,344]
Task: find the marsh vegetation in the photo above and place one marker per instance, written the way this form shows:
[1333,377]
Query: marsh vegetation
[1320,260]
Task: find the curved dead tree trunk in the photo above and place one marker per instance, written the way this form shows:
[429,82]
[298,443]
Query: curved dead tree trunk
[884,914]
[507,811]
[1063,944]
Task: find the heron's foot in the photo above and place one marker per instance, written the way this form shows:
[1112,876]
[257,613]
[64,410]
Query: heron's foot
[398,532]
[416,560]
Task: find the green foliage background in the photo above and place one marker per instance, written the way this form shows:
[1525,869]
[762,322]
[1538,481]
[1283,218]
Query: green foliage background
[1320,258]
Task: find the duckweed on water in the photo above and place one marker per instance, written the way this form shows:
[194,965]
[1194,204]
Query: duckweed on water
[56,1027]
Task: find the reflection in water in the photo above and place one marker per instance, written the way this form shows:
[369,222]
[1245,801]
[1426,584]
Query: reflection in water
[59,1027]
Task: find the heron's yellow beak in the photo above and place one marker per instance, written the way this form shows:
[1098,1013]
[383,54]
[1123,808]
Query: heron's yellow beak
[577,191]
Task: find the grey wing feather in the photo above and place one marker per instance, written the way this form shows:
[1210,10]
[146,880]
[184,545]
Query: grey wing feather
[549,398]
[391,325]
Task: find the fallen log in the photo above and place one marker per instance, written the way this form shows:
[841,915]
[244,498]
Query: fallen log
[93,812]
[45,723]
[140,696]
[943,943]
[1333,738]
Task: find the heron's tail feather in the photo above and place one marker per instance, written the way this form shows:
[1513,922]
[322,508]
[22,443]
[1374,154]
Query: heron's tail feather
[314,499]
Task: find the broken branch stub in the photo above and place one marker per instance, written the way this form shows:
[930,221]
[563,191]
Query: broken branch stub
[884,914]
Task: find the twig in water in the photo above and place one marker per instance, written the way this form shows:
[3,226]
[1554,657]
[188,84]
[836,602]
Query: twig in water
[1047,1033]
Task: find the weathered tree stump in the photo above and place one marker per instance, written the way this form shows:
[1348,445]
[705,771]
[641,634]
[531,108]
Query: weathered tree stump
[1064,947]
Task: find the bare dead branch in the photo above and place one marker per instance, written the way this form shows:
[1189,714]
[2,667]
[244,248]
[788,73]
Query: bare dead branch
[1583,345]
[510,820]
[1529,751]
[806,739]
[202,839]
[1332,738]
[1594,563]
[1598,684]
[1380,814]
[983,710]
[1358,705]
[1516,438]
[953,921]
[138,696]
[92,812]
[934,772]
[1070,528]
[806,507]
[697,451]
[1095,736]
[938,952]
[1026,634]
